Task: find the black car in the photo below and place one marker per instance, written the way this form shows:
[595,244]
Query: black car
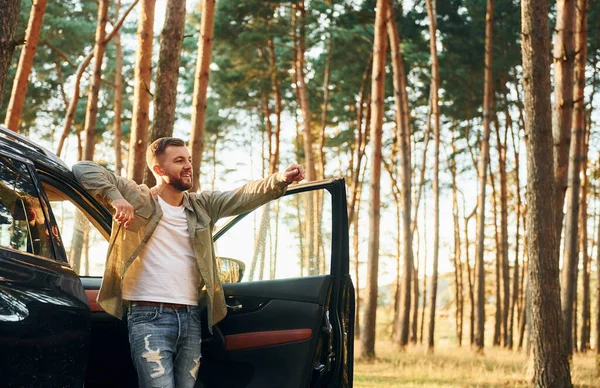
[284,268]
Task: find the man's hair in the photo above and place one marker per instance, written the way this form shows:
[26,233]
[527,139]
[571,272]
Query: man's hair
[159,146]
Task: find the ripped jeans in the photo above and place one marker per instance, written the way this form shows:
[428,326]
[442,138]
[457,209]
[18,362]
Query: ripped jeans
[165,345]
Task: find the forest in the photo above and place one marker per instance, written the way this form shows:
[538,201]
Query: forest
[463,129]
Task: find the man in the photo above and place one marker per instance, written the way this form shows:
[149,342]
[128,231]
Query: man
[161,260]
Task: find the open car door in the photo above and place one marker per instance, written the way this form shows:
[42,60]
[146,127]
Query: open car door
[285,273]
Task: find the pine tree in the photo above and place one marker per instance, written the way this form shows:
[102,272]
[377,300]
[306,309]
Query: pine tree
[17,98]
[551,363]
[203,60]
[9,16]
[483,163]
[138,142]
[377,107]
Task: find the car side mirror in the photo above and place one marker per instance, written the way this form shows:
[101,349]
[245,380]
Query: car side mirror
[230,270]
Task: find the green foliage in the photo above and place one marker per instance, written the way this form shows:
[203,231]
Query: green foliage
[66,38]
[63,21]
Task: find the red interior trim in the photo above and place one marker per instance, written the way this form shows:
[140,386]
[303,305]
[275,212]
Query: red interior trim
[91,297]
[265,338]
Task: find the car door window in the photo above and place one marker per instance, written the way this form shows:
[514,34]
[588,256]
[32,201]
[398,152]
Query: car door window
[286,238]
[85,242]
[23,224]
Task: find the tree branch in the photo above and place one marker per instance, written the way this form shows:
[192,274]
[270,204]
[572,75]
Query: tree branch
[120,22]
[60,53]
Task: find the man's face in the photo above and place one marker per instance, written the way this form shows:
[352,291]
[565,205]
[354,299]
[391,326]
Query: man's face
[175,167]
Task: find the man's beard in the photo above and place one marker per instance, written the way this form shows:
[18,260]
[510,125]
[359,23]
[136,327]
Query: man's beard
[179,184]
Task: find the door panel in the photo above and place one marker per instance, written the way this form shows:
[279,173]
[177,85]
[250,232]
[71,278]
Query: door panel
[291,318]
[310,289]
[268,346]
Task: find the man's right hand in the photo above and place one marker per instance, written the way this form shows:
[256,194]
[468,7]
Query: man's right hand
[123,211]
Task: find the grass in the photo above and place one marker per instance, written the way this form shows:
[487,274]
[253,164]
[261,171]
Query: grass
[451,365]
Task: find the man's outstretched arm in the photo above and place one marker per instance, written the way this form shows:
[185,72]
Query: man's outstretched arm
[250,195]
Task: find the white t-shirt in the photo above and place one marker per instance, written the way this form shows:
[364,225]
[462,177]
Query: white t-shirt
[165,270]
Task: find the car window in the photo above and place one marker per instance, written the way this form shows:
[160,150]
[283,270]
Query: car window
[286,238]
[85,242]
[22,220]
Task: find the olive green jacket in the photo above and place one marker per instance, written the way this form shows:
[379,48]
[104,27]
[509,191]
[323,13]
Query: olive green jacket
[202,212]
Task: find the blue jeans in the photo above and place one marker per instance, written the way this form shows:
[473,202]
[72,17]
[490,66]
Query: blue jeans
[165,345]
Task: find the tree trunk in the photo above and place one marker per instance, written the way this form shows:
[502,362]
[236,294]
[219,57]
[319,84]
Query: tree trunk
[200,88]
[71,109]
[575,302]
[167,70]
[61,88]
[302,95]
[300,234]
[598,295]
[118,104]
[458,295]
[571,251]
[19,90]
[167,75]
[377,106]
[9,17]
[274,143]
[419,191]
[91,113]
[523,317]
[324,109]
[551,362]
[260,242]
[515,294]
[421,329]
[266,112]
[403,137]
[399,281]
[140,120]
[356,187]
[303,92]
[501,144]
[525,314]
[422,171]
[498,301]
[361,138]
[72,105]
[564,61]
[355,245]
[470,278]
[424,271]
[435,76]
[214,161]
[483,162]
[583,244]
[78,242]
[414,322]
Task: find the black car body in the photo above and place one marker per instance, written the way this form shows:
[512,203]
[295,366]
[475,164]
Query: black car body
[290,325]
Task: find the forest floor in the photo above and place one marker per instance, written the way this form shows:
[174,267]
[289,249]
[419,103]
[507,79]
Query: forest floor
[450,366]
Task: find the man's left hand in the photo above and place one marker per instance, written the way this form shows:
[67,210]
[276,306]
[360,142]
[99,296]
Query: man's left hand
[293,173]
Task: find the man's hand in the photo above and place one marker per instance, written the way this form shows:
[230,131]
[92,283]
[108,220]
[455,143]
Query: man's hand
[293,173]
[123,211]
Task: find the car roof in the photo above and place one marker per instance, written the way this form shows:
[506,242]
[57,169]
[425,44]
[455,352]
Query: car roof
[20,145]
